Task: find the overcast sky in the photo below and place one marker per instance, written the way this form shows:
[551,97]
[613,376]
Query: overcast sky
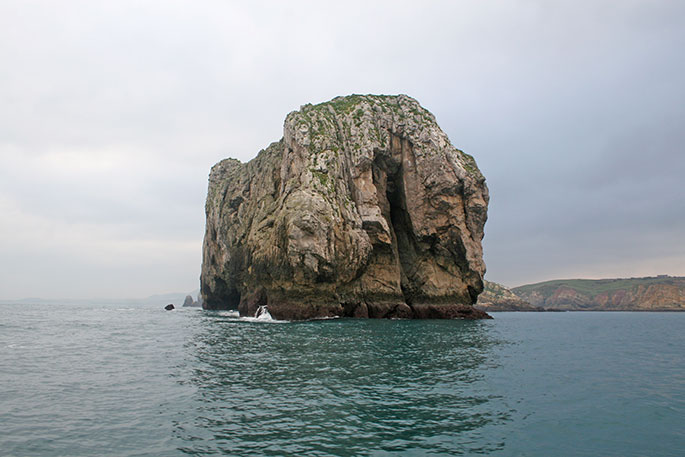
[113,112]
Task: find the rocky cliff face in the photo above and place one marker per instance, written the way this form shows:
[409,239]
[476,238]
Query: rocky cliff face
[496,297]
[362,209]
[662,293]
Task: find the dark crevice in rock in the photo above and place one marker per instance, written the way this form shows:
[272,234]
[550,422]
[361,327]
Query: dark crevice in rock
[403,234]
[389,179]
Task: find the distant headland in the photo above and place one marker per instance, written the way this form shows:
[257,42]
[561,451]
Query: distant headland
[655,293]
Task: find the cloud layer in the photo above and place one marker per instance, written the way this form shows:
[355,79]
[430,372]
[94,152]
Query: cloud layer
[112,113]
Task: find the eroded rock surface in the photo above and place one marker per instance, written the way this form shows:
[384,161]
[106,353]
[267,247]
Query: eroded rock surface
[496,297]
[362,209]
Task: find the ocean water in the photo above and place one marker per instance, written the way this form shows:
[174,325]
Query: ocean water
[79,380]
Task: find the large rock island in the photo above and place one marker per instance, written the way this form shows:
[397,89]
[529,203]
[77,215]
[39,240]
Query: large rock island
[363,209]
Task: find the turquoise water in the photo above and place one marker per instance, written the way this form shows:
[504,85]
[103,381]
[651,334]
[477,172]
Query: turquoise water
[122,381]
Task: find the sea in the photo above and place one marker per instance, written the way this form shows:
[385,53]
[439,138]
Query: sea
[122,380]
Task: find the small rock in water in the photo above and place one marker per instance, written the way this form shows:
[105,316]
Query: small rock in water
[169,307]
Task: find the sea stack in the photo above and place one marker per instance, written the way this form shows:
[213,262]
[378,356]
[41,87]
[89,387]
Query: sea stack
[363,209]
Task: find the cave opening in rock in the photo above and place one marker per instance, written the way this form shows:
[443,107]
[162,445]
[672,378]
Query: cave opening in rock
[221,296]
[232,298]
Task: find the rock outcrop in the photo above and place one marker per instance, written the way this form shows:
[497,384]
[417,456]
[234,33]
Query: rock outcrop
[660,293]
[362,209]
[189,302]
[496,297]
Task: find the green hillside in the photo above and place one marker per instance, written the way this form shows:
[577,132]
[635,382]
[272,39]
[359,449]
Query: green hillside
[597,286]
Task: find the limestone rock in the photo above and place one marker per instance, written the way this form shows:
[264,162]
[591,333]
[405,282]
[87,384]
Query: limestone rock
[363,209]
[496,297]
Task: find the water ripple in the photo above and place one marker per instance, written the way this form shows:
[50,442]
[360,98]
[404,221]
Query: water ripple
[83,380]
[342,387]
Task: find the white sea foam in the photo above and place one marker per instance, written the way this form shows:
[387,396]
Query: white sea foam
[263,313]
[230,313]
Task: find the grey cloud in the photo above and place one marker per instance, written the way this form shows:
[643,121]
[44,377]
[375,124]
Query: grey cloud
[113,112]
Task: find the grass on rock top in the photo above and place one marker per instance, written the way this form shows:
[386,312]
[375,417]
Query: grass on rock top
[320,120]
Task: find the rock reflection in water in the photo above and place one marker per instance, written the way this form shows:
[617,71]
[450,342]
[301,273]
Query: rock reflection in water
[341,387]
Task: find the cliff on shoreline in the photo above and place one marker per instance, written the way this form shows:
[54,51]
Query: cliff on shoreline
[660,293]
[496,297]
